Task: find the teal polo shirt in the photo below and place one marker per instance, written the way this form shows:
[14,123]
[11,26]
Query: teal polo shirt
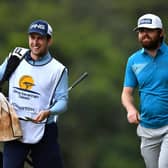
[150,75]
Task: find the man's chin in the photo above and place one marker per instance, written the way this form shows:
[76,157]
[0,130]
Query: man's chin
[35,52]
[149,46]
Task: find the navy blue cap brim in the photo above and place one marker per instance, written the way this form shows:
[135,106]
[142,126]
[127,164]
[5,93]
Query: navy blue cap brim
[38,32]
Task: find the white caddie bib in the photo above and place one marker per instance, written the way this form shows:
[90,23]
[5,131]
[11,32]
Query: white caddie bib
[31,90]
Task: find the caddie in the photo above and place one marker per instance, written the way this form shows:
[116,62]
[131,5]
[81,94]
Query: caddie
[38,91]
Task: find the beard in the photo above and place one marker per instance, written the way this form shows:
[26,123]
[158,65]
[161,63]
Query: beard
[149,43]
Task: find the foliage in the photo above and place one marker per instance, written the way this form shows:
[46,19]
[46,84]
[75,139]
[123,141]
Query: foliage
[94,36]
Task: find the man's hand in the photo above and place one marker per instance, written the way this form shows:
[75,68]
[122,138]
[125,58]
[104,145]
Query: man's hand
[133,117]
[44,114]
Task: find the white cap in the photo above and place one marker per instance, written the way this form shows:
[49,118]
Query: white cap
[149,21]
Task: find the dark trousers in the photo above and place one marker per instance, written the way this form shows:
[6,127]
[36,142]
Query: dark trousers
[1,160]
[44,154]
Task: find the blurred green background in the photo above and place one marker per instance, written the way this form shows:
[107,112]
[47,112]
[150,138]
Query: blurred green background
[93,36]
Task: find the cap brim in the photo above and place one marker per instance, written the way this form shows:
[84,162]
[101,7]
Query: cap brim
[145,26]
[38,32]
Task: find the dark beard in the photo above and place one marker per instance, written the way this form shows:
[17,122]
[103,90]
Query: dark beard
[151,46]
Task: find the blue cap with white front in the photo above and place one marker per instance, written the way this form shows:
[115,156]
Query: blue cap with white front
[41,27]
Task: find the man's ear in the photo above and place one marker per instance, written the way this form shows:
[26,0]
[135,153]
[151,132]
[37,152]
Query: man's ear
[162,33]
[50,41]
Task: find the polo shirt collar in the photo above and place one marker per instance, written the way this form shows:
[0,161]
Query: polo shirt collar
[43,60]
[161,49]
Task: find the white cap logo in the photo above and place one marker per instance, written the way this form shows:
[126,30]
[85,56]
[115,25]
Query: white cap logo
[38,26]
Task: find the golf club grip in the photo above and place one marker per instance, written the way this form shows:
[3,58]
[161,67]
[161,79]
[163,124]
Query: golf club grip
[83,76]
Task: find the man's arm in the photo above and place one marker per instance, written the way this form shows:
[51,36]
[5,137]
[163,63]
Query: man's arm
[127,100]
[61,97]
[2,68]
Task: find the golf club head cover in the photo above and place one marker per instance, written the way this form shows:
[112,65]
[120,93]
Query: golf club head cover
[14,59]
